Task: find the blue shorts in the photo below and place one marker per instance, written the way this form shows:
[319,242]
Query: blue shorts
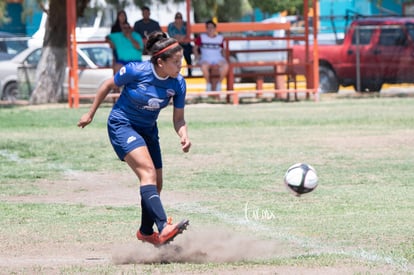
[124,138]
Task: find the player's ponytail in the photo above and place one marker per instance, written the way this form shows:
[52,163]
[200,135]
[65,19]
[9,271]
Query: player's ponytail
[159,45]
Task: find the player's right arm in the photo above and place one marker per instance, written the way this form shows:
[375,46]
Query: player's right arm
[102,92]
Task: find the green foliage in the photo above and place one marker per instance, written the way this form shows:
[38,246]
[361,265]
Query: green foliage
[3,17]
[140,3]
[225,11]
[81,5]
[274,6]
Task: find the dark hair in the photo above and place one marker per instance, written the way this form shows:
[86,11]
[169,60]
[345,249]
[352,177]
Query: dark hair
[145,8]
[158,41]
[211,22]
[116,27]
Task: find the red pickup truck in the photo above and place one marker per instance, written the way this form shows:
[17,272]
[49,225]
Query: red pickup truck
[374,51]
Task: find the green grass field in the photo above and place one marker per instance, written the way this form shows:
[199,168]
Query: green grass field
[359,220]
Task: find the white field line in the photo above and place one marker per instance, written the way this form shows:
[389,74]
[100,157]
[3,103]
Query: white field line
[11,156]
[256,226]
[14,157]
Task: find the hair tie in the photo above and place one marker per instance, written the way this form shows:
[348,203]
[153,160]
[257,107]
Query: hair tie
[167,48]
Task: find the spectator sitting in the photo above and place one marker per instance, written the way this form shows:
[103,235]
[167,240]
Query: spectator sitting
[128,46]
[178,30]
[146,25]
[208,50]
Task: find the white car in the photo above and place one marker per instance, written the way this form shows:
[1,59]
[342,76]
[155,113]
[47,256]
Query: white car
[11,44]
[17,75]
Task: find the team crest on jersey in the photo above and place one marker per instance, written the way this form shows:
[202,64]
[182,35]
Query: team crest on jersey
[153,104]
[170,92]
[122,71]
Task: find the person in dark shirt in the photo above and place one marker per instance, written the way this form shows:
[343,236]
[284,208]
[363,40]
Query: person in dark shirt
[146,25]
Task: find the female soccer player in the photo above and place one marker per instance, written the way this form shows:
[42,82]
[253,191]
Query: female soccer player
[132,126]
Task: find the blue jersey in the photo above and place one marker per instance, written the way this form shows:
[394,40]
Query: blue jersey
[145,93]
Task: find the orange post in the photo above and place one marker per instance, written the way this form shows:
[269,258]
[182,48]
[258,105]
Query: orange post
[188,14]
[73,92]
[308,72]
[315,51]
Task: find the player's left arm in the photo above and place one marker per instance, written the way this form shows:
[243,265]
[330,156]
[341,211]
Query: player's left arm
[180,127]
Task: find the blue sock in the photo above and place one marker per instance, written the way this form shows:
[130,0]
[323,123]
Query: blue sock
[152,203]
[146,221]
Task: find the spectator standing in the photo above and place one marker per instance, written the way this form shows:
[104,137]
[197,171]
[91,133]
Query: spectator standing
[146,25]
[208,50]
[121,18]
[128,46]
[178,30]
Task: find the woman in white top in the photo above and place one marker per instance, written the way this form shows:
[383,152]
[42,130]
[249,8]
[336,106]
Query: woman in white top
[208,50]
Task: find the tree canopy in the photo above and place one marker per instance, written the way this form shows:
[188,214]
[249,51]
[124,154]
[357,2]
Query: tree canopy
[223,10]
[274,6]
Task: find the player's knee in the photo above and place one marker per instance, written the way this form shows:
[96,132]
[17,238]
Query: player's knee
[147,175]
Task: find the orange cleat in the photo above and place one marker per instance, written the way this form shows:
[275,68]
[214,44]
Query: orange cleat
[152,239]
[170,231]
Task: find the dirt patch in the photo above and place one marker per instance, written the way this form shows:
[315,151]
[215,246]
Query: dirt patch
[91,189]
[96,189]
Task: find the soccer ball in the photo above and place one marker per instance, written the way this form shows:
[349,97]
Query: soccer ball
[301,178]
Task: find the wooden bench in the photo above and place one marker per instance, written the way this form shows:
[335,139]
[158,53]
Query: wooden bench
[237,27]
[214,71]
[272,69]
[278,70]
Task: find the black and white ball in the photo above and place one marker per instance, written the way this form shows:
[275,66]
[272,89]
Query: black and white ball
[301,178]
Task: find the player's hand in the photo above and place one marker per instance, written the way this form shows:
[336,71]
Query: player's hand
[84,120]
[185,144]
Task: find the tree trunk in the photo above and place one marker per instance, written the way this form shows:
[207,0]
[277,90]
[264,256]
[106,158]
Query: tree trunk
[51,69]
[50,74]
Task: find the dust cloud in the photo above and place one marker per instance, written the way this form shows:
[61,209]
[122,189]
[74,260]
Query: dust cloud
[209,246]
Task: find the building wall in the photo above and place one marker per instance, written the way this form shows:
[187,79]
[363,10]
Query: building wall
[337,14]
[33,16]
[23,17]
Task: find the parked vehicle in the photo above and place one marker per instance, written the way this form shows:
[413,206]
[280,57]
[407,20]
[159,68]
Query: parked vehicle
[94,62]
[11,44]
[374,51]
